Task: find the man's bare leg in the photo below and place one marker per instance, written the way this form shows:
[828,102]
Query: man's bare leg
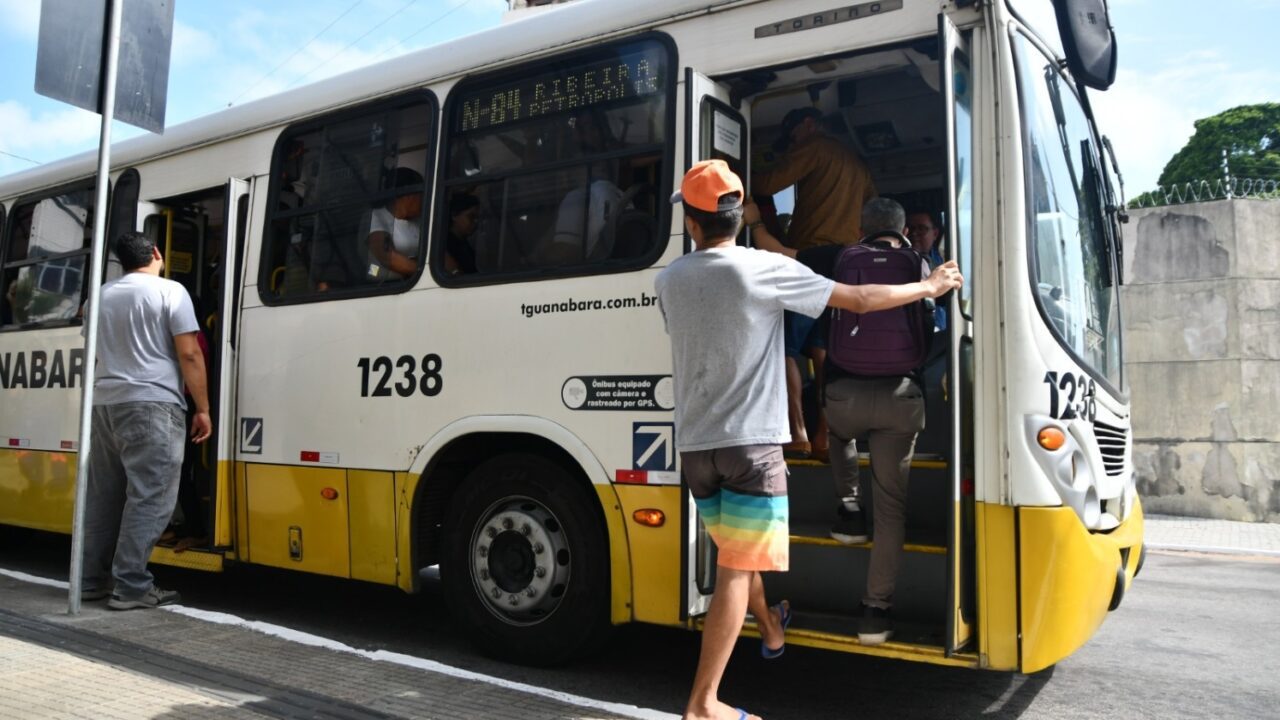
[724,624]
[799,444]
[821,448]
[769,622]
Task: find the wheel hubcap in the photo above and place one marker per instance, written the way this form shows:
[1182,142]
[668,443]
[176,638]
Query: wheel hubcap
[520,560]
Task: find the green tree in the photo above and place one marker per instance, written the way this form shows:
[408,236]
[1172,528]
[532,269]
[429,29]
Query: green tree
[1251,136]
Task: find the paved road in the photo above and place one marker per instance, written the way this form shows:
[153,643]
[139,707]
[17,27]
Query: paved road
[1196,637]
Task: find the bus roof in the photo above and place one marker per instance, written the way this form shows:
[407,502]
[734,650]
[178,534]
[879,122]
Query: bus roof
[535,34]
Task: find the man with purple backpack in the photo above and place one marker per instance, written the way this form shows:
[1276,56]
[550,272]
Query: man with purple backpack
[872,388]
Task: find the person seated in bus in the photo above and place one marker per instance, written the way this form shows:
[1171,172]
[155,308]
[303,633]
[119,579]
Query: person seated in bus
[831,184]
[924,228]
[460,255]
[395,230]
[889,410]
[581,231]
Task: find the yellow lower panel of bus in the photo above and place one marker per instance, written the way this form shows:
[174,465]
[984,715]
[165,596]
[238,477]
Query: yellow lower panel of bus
[298,518]
[655,551]
[1068,576]
[189,559]
[37,489]
[997,583]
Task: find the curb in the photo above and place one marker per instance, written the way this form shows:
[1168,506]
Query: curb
[1212,549]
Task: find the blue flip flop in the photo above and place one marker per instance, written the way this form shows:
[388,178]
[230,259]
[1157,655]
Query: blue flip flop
[784,616]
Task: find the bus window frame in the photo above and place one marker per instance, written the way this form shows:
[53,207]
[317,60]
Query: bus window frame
[88,184]
[401,101]
[440,225]
[1032,254]
[128,191]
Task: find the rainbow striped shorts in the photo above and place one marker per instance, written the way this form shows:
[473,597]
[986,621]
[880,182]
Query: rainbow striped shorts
[741,494]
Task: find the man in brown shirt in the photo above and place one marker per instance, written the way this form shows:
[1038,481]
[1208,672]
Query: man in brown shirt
[831,185]
[831,182]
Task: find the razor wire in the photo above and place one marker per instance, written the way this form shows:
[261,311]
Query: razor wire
[1206,190]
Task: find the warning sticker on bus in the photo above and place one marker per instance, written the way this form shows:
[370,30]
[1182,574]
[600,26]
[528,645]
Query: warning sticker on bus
[619,392]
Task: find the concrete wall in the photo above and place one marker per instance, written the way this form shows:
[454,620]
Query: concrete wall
[1202,343]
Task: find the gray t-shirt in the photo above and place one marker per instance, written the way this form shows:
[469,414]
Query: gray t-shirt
[723,310]
[137,360]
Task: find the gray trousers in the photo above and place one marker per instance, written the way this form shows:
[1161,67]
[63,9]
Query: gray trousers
[134,467]
[890,412]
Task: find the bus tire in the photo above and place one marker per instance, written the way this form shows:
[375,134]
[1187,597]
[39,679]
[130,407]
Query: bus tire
[526,564]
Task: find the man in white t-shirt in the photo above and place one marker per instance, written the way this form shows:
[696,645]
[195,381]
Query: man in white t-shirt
[147,350]
[395,231]
[722,306]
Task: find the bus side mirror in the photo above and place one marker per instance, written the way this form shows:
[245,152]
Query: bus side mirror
[1088,41]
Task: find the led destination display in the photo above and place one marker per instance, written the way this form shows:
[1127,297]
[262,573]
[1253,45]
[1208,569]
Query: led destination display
[626,75]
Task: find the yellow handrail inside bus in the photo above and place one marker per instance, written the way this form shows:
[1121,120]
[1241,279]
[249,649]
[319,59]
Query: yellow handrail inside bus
[168,238]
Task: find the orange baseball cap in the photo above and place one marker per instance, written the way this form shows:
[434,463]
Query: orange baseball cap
[710,186]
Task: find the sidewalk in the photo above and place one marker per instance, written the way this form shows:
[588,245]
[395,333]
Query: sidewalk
[1169,532]
[179,663]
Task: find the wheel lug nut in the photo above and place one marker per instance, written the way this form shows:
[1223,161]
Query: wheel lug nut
[507,524]
[484,574]
[490,532]
[538,548]
[483,550]
[526,530]
[530,592]
[514,600]
[540,572]
[497,593]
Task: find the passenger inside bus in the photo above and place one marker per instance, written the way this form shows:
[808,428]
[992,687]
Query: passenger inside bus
[460,256]
[395,230]
[831,183]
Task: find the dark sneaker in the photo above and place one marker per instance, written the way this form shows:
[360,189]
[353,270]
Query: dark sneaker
[851,528]
[875,626]
[155,597]
[87,595]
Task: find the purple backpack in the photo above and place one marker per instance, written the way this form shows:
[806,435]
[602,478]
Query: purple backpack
[887,342]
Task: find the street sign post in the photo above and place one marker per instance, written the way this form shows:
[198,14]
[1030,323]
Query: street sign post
[77,62]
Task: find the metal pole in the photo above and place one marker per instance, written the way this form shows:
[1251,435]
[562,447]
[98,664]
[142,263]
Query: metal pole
[112,48]
[1226,174]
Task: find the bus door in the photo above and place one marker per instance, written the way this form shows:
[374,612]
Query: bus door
[714,130]
[201,236]
[223,346]
[958,110]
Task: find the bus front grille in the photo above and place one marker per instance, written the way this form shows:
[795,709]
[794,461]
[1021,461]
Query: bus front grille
[1113,442]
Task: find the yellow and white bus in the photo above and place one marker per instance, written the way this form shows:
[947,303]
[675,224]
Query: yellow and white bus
[501,407]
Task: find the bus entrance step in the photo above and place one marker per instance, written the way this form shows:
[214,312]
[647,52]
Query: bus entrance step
[912,639]
[818,534]
[921,461]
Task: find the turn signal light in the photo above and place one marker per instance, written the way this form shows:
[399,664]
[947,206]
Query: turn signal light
[1051,438]
[650,517]
[329,493]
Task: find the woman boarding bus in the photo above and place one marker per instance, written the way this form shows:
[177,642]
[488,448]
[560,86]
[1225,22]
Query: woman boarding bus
[511,422]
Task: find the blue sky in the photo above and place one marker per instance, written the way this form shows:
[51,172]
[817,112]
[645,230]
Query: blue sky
[1180,60]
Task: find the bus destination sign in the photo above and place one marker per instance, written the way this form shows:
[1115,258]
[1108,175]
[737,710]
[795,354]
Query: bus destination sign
[624,76]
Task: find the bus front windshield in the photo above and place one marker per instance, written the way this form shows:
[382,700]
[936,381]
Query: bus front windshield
[1074,274]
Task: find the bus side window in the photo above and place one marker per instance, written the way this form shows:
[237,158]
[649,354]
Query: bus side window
[337,182]
[564,162]
[46,258]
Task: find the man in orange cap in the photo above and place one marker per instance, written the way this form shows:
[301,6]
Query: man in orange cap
[722,306]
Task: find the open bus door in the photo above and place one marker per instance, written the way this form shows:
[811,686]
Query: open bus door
[206,261]
[713,130]
[958,111]
[223,346]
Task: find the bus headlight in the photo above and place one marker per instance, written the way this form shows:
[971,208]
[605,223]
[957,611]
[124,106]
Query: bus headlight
[1065,460]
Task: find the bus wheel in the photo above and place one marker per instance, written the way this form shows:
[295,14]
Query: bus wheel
[526,565]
